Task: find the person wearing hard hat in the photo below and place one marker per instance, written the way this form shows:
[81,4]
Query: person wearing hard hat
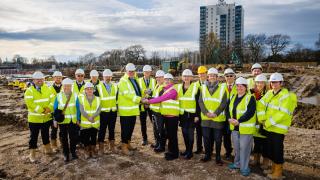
[147,85]
[158,123]
[231,90]
[65,103]
[169,109]
[241,113]
[256,69]
[129,97]
[39,102]
[107,93]
[260,141]
[202,74]
[88,115]
[212,102]
[275,112]
[55,89]
[94,79]
[187,92]
[78,85]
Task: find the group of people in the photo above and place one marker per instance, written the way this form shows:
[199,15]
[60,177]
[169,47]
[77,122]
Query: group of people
[240,111]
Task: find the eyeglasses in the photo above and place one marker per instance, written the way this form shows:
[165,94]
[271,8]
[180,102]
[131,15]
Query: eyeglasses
[275,82]
[229,76]
[80,75]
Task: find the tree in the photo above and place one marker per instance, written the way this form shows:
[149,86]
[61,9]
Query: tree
[318,43]
[134,54]
[155,58]
[212,47]
[256,46]
[278,43]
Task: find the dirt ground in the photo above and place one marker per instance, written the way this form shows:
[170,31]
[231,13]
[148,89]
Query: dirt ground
[302,154]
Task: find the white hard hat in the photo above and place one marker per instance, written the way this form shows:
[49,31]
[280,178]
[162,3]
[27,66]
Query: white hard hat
[260,78]
[94,73]
[256,66]
[187,72]
[130,67]
[107,72]
[67,81]
[88,85]
[276,77]
[37,75]
[241,80]
[213,71]
[146,68]
[79,71]
[160,73]
[168,76]
[228,71]
[57,73]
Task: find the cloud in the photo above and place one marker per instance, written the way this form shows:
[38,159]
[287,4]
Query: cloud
[73,28]
[48,34]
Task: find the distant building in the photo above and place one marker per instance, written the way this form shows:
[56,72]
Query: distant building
[225,20]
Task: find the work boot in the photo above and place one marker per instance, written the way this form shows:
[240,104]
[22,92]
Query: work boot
[48,149]
[144,142]
[130,147]
[112,146]
[277,173]
[256,160]
[32,155]
[101,148]
[87,152]
[74,156]
[124,149]
[265,164]
[66,158]
[54,145]
[94,151]
[269,170]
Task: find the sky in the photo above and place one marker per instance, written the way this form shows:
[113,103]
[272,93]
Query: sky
[69,29]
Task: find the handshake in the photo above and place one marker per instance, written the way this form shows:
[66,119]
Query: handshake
[234,122]
[145,101]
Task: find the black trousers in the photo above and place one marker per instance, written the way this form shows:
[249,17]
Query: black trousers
[211,135]
[199,134]
[171,126]
[54,131]
[69,137]
[127,126]
[159,129]
[107,120]
[89,136]
[261,146]
[227,138]
[35,128]
[143,122]
[275,147]
[187,126]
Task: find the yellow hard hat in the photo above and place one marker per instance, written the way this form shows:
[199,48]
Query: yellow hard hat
[202,69]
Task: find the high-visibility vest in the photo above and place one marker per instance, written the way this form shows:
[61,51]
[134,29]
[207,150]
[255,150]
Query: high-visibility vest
[260,115]
[251,84]
[70,113]
[277,110]
[76,90]
[155,94]
[170,107]
[187,100]
[36,102]
[233,90]
[143,87]
[108,101]
[128,101]
[212,102]
[90,110]
[248,127]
